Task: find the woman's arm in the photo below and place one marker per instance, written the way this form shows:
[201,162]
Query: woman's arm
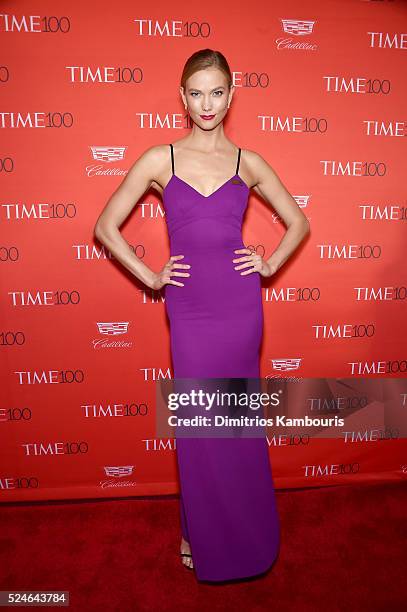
[268,185]
[134,185]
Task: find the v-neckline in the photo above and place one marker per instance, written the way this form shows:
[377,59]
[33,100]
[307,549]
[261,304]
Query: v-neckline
[198,192]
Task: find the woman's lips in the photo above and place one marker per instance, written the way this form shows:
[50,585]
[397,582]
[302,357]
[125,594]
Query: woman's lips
[207,117]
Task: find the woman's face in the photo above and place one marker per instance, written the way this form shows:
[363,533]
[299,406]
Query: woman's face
[207,95]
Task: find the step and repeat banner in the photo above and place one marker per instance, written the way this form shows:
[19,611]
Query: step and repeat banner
[86,88]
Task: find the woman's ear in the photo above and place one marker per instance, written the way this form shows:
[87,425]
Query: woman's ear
[231,92]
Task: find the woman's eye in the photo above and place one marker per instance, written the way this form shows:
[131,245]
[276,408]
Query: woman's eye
[196,93]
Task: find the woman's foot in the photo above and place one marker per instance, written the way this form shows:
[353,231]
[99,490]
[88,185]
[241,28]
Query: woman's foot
[186,550]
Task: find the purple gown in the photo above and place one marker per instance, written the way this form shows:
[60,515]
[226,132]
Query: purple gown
[227,500]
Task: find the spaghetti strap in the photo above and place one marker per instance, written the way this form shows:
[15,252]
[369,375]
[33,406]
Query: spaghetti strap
[238,161]
[172,158]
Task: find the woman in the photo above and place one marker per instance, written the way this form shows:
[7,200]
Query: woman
[229,521]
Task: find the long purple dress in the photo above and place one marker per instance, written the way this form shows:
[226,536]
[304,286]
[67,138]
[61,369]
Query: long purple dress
[227,498]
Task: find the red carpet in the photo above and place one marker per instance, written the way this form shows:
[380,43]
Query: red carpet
[343,548]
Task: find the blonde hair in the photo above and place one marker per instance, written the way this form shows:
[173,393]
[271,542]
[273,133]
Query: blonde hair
[205,58]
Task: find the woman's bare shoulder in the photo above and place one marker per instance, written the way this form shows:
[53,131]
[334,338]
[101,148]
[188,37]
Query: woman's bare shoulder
[155,153]
[256,163]
[152,161]
[252,157]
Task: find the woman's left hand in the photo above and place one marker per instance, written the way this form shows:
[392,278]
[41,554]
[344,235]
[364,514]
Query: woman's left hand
[255,262]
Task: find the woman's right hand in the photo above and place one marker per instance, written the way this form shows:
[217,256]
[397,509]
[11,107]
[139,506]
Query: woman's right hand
[164,276]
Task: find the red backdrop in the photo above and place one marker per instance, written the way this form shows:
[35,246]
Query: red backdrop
[85,90]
